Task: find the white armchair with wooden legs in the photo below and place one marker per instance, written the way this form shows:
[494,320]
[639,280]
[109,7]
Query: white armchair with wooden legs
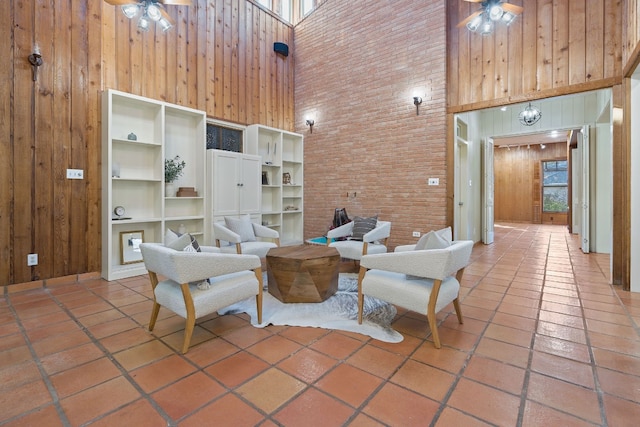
[424,281]
[374,241]
[259,241]
[232,278]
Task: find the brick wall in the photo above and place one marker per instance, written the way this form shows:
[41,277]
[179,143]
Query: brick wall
[358,65]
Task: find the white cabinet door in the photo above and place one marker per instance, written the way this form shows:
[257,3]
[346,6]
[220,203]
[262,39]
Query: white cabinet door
[236,183]
[226,183]
[250,184]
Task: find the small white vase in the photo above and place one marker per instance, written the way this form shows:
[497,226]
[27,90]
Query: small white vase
[169,190]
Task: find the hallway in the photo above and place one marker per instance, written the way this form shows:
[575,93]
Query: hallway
[546,341]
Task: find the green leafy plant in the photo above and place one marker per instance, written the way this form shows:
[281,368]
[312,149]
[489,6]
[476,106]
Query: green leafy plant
[173,169]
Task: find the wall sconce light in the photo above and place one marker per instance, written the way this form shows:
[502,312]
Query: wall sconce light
[35,59]
[417,101]
[310,123]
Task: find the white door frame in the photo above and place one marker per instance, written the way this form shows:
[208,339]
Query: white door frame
[487,191]
[461,201]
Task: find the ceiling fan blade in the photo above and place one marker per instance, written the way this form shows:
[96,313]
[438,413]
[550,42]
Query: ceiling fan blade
[121,2]
[176,2]
[468,19]
[516,10]
[168,17]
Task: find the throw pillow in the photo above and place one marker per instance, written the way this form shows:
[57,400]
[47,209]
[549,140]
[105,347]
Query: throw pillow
[180,243]
[241,226]
[170,236]
[193,246]
[362,226]
[432,240]
[186,243]
[446,233]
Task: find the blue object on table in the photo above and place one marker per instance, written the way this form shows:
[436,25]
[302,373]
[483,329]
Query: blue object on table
[322,240]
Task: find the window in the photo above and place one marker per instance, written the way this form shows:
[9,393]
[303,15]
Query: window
[307,6]
[222,138]
[265,3]
[285,10]
[555,194]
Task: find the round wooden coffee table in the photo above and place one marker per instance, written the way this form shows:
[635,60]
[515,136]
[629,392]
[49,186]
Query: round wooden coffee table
[305,273]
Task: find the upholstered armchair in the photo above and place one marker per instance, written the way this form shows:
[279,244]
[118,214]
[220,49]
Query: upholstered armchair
[184,288]
[241,236]
[355,245]
[424,281]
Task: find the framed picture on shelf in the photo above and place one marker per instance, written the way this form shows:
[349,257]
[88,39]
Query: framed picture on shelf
[130,246]
[265,178]
[286,178]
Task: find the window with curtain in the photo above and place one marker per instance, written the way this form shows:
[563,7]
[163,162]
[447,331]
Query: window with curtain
[555,186]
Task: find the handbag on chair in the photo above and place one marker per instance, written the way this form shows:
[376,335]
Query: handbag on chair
[340,217]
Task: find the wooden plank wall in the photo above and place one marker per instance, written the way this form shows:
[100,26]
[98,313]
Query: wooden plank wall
[553,48]
[515,183]
[219,58]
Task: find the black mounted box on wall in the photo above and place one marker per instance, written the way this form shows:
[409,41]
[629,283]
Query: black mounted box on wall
[281,48]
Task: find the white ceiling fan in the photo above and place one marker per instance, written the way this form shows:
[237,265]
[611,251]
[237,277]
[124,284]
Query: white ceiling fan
[491,11]
[149,11]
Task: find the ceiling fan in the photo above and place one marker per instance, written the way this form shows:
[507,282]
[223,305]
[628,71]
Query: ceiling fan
[491,11]
[151,11]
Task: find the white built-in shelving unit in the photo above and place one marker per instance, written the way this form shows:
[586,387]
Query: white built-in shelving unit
[133,173]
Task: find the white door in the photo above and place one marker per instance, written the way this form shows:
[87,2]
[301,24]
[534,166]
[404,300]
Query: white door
[583,148]
[461,195]
[226,183]
[487,191]
[576,190]
[250,185]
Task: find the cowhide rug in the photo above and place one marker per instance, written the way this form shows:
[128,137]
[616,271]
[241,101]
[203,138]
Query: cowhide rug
[338,312]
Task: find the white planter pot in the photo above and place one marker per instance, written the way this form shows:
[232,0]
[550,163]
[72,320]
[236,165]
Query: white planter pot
[169,190]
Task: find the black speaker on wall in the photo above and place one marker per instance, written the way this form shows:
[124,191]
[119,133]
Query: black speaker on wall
[281,48]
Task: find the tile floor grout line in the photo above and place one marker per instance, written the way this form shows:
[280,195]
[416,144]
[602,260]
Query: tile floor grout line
[592,358]
[38,362]
[106,353]
[472,352]
[524,392]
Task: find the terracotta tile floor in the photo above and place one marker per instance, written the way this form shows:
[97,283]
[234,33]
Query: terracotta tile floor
[546,341]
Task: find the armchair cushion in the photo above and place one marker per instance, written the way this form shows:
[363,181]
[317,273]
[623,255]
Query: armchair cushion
[362,226]
[241,226]
[185,242]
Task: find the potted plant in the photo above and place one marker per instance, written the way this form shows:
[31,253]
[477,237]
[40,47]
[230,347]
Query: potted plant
[173,169]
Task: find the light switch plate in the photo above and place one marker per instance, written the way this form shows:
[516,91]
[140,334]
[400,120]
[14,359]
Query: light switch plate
[434,181]
[75,174]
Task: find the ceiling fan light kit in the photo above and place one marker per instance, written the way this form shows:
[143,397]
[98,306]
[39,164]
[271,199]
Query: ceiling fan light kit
[491,12]
[149,11]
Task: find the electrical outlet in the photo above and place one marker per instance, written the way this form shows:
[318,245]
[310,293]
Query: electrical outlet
[434,181]
[416,234]
[75,174]
[32,259]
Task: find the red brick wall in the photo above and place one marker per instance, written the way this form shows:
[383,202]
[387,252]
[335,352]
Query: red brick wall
[357,66]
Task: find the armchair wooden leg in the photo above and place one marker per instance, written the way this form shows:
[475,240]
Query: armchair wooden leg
[360,294]
[153,277]
[154,315]
[431,316]
[258,273]
[188,331]
[431,312]
[191,316]
[456,305]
